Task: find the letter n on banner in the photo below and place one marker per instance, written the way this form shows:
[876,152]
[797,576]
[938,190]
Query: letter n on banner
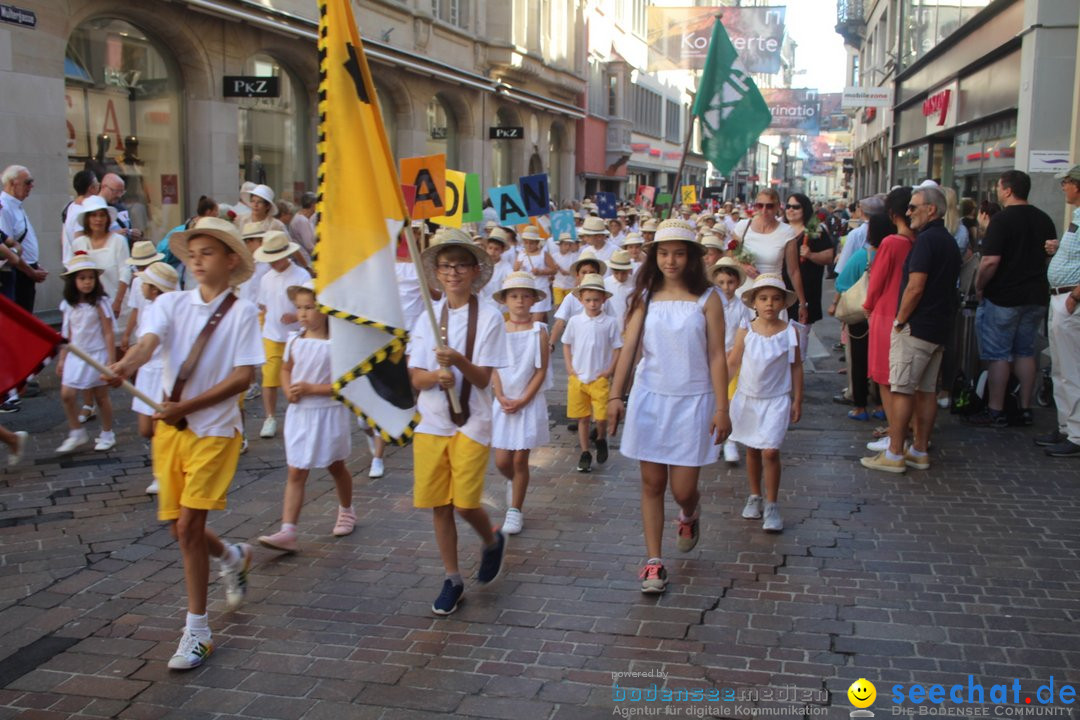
[428,175]
[508,203]
[534,191]
[455,200]
[474,199]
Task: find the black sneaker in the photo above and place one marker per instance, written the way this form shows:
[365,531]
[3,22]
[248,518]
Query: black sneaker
[1064,449]
[594,435]
[585,463]
[1027,418]
[572,427]
[988,418]
[1052,438]
[601,451]
[491,560]
[32,389]
[10,406]
[448,599]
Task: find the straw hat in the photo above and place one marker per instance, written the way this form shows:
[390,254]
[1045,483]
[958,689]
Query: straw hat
[592,281]
[706,216]
[221,230]
[768,280]
[276,245]
[678,231]
[80,261]
[588,255]
[633,239]
[144,253]
[730,263]
[253,231]
[518,281]
[291,291]
[93,204]
[161,275]
[593,226]
[713,240]
[530,233]
[264,192]
[620,260]
[566,237]
[649,225]
[499,235]
[452,237]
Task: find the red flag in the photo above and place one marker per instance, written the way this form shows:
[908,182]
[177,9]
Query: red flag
[25,344]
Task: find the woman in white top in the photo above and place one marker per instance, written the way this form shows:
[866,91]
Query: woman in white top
[772,245]
[109,251]
[677,412]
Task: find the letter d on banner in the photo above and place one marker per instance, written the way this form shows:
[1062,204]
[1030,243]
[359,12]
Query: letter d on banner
[428,175]
[455,200]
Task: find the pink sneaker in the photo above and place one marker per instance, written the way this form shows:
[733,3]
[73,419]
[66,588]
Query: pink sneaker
[284,540]
[346,522]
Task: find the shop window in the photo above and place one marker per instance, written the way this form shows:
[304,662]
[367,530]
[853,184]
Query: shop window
[927,23]
[122,95]
[442,134]
[273,136]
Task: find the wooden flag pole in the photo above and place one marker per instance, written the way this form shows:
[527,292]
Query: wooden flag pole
[429,307]
[125,385]
[682,166]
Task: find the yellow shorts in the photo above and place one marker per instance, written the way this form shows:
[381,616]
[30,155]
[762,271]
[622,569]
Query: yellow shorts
[448,470]
[193,472]
[583,400]
[732,385]
[559,295]
[271,370]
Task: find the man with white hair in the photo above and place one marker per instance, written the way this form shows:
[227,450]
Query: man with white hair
[21,279]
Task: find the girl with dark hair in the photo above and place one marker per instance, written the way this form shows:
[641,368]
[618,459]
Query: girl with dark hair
[677,411]
[816,252]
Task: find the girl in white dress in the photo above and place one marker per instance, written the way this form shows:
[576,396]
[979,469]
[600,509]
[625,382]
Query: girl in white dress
[677,411]
[317,426]
[534,260]
[156,279]
[767,352]
[519,420]
[88,324]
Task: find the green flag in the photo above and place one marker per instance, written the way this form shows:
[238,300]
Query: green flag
[729,104]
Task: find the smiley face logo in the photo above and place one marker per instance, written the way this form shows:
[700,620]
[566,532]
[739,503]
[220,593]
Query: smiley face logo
[862,693]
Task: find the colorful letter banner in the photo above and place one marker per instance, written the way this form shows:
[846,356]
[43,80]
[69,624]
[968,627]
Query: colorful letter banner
[455,200]
[606,205]
[534,191]
[474,199]
[644,196]
[663,200]
[409,191]
[562,221]
[427,174]
[689,194]
[508,203]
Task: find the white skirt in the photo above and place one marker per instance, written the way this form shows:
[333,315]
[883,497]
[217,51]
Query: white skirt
[669,429]
[524,430]
[80,375]
[318,436]
[149,382]
[760,423]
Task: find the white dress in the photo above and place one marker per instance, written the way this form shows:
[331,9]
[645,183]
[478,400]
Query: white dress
[528,427]
[82,327]
[149,379]
[761,408]
[317,427]
[672,403]
[543,282]
[112,258]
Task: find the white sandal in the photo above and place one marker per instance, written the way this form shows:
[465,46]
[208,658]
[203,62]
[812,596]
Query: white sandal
[88,413]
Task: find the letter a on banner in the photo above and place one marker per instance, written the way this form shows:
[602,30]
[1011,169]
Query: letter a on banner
[474,199]
[455,200]
[428,175]
[508,203]
[534,191]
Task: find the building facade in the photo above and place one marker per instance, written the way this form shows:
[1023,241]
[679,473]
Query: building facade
[142,89]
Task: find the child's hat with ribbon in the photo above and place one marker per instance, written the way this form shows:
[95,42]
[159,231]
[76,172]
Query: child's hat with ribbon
[80,261]
[768,280]
[620,260]
[161,275]
[144,253]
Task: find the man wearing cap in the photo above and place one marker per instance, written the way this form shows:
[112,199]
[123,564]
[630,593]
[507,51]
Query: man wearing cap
[1063,275]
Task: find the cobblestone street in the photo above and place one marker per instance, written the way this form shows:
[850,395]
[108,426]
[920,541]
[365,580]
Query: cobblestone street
[968,568]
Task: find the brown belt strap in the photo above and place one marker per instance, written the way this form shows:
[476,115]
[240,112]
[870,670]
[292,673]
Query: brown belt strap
[470,340]
[197,350]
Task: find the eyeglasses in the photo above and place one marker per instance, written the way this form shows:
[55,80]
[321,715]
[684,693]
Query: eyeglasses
[28,182]
[794,207]
[913,207]
[454,268]
[764,206]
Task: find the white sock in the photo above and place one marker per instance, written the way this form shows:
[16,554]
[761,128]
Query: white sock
[342,508]
[198,624]
[455,579]
[655,561]
[288,527]
[890,455]
[916,453]
[231,556]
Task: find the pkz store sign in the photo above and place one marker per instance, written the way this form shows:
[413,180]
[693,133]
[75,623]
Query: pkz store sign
[251,86]
[18,16]
[506,133]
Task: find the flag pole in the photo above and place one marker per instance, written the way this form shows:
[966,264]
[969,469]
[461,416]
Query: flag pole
[429,307]
[682,166]
[106,372]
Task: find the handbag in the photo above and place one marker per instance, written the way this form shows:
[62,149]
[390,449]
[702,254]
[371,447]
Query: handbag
[849,310]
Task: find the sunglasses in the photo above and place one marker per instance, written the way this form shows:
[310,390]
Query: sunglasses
[794,207]
[764,206]
[913,208]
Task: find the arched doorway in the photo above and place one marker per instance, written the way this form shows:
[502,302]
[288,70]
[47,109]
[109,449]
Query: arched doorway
[442,131]
[273,131]
[122,93]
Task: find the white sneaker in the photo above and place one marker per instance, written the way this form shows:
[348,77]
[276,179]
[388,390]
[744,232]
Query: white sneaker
[752,509]
[253,392]
[514,522]
[378,469]
[269,428]
[191,652]
[152,488]
[235,576]
[773,521]
[878,445]
[74,439]
[105,441]
[21,437]
[244,446]
[731,452]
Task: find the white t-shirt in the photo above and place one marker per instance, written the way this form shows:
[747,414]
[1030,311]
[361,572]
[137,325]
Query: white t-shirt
[620,296]
[82,324]
[408,284]
[249,289]
[71,226]
[571,306]
[563,262]
[592,342]
[767,250]
[489,350]
[274,296]
[177,318]
[492,286]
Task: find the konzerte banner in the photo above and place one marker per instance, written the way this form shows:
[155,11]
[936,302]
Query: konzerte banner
[679,36]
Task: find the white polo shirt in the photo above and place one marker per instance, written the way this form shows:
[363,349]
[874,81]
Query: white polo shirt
[489,350]
[177,318]
[592,342]
[620,296]
[274,296]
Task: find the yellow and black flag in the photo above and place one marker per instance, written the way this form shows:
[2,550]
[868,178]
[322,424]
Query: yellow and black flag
[361,211]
